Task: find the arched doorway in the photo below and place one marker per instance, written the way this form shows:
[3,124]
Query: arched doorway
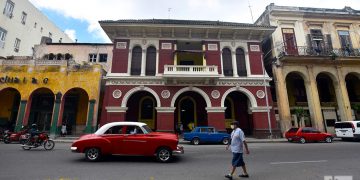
[41,109]
[328,101]
[300,115]
[75,111]
[141,108]
[190,111]
[9,107]
[353,89]
[237,109]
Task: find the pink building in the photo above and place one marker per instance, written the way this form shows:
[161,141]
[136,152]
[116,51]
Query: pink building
[195,73]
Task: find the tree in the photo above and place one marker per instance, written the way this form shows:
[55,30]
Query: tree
[300,114]
[356,108]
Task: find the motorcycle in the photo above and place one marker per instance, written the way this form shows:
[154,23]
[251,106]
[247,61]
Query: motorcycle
[42,140]
[15,136]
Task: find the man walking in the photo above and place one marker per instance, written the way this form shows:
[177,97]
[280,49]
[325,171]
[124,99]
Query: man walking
[237,144]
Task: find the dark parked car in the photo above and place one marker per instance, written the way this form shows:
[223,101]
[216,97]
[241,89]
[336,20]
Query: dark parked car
[307,134]
[206,134]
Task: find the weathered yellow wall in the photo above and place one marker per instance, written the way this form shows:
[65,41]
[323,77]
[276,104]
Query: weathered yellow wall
[61,79]
[82,109]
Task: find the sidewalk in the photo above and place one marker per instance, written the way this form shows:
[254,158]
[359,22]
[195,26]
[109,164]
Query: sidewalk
[181,141]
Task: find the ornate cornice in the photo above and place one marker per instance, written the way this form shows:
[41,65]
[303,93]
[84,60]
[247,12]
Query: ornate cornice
[187,83]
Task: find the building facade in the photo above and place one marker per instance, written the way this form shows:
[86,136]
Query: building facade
[49,93]
[22,26]
[80,53]
[169,73]
[314,59]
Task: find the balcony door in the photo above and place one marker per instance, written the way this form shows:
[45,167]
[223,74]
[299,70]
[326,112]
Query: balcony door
[187,62]
[289,41]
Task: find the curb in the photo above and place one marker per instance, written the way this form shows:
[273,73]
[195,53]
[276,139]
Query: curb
[188,142]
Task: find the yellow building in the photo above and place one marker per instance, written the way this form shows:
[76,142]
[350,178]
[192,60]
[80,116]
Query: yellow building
[314,59]
[49,93]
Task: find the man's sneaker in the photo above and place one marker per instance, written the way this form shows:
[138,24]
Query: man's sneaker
[229,176]
[244,175]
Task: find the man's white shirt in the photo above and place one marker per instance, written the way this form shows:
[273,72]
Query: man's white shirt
[237,139]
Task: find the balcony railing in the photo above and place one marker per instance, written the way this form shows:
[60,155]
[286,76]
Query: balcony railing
[17,62]
[312,51]
[188,70]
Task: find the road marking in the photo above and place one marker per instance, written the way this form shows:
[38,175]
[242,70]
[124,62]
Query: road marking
[298,162]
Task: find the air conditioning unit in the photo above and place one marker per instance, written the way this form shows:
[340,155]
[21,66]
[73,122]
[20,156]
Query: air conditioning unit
[2,44]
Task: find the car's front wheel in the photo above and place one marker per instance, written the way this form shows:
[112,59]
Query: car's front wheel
[328,139]
[93,154]
[163,155]
[225,141]
[195,141]
[302,140]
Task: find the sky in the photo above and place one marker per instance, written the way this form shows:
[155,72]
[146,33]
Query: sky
[79,18]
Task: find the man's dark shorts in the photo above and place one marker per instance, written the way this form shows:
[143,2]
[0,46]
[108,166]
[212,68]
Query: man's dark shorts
[238,160]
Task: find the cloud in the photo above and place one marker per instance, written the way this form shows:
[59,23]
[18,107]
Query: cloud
[71,33]
[91,11]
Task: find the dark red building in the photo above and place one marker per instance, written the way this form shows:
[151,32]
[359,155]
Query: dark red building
[171,72]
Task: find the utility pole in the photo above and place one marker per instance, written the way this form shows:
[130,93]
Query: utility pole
[252,18]
[169,9]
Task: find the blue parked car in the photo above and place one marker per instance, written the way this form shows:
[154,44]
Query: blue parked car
[206,134]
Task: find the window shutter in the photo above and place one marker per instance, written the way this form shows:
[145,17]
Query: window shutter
[308,41]
[136,61]
[328,41]
[240,62]
[227,62]
[150,61]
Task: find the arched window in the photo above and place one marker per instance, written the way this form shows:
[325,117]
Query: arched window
[150,61]
[240,61]
[227,64]
[59,56]
[136,61]
[229,111]
[147,108]
[51,56]
[68,56]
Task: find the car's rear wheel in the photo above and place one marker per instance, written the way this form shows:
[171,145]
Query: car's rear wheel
[195,141]
[93,154]
[163,154]
[225,141]
[302,140]
[328,139]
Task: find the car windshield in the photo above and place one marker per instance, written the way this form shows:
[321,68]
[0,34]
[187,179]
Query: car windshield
[292,130]
[147,129]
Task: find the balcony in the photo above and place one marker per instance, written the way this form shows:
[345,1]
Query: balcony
[318,52]
[206,74]
[193,71]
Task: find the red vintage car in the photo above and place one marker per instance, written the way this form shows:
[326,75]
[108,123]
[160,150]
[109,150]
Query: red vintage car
[128,138]
[307,134]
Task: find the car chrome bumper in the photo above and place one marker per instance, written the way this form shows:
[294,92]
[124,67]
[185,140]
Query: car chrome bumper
[179,150]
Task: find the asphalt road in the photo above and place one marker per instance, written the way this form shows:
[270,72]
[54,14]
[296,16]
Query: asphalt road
[288,161]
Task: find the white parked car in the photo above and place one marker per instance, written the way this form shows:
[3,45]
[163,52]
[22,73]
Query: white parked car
[348,130]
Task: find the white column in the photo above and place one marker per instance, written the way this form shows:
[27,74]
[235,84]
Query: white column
[234,66]
[143,62]
[157,63]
